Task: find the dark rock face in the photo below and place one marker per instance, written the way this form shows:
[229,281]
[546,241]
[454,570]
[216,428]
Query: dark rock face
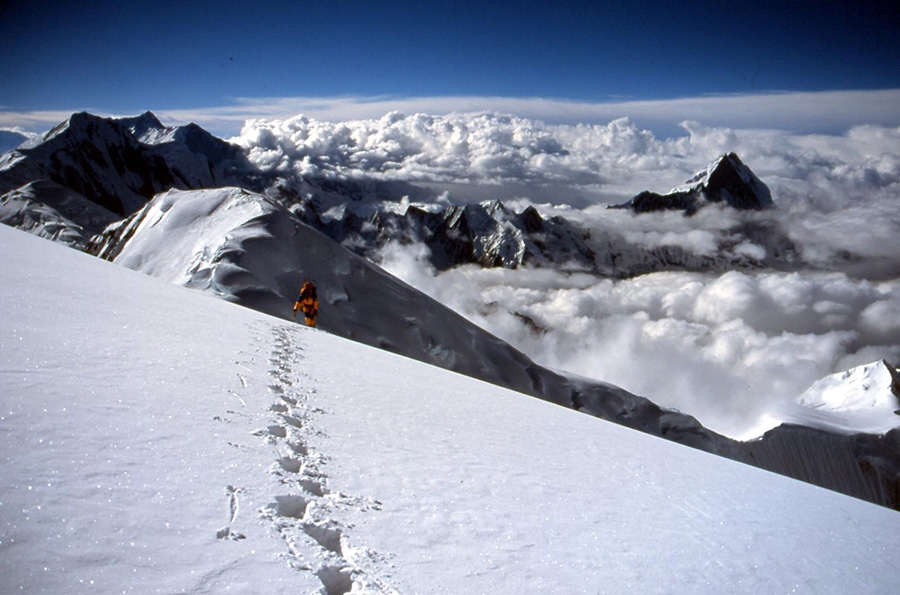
[648,202]
[732,182]
[726,180]
[864,466]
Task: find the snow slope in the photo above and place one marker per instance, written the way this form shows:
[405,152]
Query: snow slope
[153,439]
[249,249]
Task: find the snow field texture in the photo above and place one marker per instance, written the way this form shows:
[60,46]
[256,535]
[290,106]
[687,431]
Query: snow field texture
[154,439]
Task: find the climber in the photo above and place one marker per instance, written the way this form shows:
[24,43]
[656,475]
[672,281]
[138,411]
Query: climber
[308,303]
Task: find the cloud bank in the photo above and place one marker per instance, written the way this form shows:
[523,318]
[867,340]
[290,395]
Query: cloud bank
[615,159]
[813,112]
[731,349]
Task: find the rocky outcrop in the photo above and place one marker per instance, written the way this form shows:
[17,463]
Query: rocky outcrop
[487,234]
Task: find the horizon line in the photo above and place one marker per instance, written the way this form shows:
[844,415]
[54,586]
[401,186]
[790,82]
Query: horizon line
[796,111]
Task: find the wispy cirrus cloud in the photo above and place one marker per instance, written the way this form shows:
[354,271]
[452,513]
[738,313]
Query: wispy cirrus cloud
[831,111]
[806,112]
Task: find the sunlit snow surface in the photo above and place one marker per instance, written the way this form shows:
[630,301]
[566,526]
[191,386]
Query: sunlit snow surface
[863,399]
[155,439]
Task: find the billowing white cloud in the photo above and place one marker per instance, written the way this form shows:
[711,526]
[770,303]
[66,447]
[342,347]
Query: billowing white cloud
[616,159]
[729,349]
[807,112]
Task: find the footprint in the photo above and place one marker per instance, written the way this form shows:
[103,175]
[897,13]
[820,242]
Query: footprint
[298,448]
[233,507]
[290,465]
[313,486]
[292,506]
[337,580]
[292,420]
[276,431]
[329,537]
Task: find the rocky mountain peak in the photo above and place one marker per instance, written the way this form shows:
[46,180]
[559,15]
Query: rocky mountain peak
[727,179]
[731,181]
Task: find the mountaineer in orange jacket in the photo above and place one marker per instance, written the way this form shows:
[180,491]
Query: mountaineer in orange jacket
[308,303]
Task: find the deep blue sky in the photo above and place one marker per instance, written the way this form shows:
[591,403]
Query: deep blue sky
[130,56]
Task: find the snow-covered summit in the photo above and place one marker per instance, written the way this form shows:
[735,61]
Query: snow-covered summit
[729,180]
[870,386]
[865,399]
[143,124]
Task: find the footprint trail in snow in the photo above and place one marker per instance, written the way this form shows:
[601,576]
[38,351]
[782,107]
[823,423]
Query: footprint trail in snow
[306,513]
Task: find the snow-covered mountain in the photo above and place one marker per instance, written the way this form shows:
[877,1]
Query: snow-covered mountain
[249,249]
[121,163]
[863,399]
[490,234]
[155,439]
[55,212]
[106,162]
[254,249]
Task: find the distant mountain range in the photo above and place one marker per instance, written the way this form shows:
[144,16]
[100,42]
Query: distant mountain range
[183,205]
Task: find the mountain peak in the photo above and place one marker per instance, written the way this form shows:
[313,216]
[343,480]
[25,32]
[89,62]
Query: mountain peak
[141,124]
[75,121]
[871,386]
[726,179]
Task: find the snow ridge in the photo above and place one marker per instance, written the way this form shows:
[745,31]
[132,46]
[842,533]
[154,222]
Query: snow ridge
[251,250]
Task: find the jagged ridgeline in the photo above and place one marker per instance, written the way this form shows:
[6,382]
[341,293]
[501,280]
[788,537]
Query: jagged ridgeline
[181,204]
[55,186]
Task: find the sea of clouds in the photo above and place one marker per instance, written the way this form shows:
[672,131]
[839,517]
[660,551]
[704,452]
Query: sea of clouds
[730,349]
